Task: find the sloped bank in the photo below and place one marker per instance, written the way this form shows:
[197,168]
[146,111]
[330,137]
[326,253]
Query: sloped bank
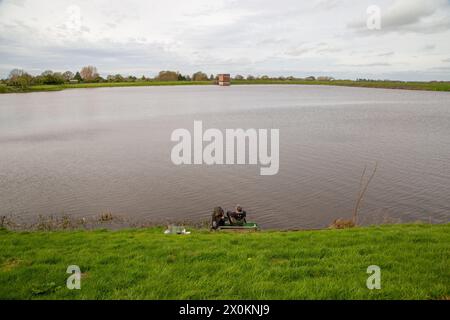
[147,264]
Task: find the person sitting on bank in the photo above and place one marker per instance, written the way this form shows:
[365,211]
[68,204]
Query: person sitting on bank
[237,217]
[218,218]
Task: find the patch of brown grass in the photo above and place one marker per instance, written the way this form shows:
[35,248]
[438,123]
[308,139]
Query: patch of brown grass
[342,224]
[10,264]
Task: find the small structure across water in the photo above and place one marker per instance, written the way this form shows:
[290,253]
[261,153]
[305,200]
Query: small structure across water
[224,79]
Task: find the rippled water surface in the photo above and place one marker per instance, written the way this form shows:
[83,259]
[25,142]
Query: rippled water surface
[82,152]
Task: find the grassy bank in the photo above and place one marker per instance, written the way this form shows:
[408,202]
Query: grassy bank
[429,86]
[59,87]
[144,263]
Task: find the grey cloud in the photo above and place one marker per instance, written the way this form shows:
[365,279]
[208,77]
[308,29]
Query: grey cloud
[409,16]
[429,47]
[386,54]
[327,4]
[19,3]
[317,48]
[403,13]
[108,56]
[440,69]
[373,64]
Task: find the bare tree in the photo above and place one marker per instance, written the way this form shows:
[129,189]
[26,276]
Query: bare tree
[89,73]
[199,76]
[68,75]
[167,76]
[15,73]
[350,223]
[19,78]
[362,190]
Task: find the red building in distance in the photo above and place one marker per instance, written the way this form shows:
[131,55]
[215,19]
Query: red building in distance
[224,79]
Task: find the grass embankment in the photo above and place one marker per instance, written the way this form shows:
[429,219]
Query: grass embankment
[429,86]
[59,87]
[146,264]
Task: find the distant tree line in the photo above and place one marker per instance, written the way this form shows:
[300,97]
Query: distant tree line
[21,78]
[89,74]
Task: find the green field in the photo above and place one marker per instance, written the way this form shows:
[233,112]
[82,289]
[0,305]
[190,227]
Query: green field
[146,264]
[429,86]
[59,87]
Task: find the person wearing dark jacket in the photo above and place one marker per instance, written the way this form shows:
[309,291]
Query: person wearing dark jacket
[218,218]
[237,217]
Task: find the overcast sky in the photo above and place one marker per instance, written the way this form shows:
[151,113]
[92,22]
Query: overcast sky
[283,37]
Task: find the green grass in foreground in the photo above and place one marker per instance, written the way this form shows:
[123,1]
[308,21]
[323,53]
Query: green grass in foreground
[146,264]
[429,86]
